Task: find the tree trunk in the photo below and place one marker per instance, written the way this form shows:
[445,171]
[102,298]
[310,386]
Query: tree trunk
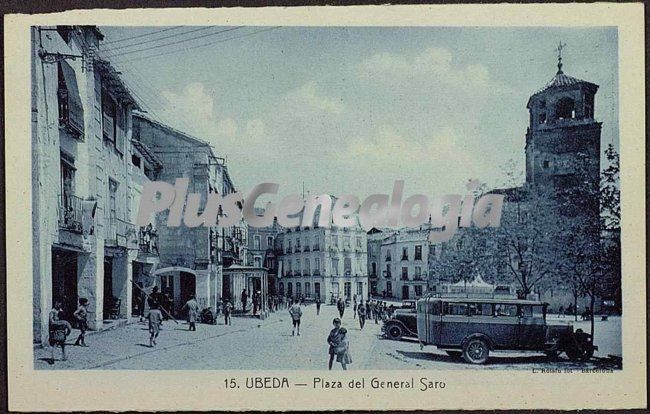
[575,306]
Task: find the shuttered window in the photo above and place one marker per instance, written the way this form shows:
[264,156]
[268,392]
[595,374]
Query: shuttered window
[121,130]
[71,115]
[108,117]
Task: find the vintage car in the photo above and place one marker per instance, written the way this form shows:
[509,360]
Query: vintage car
[403,323]
[475,327]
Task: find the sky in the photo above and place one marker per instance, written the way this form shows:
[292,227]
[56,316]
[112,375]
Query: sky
[348,110]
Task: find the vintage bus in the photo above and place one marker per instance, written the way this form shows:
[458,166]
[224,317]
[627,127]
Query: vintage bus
[475,327]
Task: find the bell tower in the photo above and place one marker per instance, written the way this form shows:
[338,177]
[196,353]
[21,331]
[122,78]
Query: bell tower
[563,133]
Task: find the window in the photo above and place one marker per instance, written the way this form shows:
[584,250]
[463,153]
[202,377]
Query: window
[418,290]
[269,242]
[387,271]
[67,176]
[456,309]
[281,288]
[481,309]
[388,255]
[346,242]
[317,266]
[347,264]
[297,267]
[405,253]
[258,261]
[358,242]
[108,117]
[288,246]
[418,252]
[565,109]
[405,273]
[71,115]
[545,164]
[289,289]
[135,160]
[335,267]
[505,310]
[316,242]
[360,288]
[307,267]
[373,266]
[256,242]
[418,272]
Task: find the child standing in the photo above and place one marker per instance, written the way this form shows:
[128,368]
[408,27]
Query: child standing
[155,320]
[59,331]
[81,315]
[343,349]
[296,314]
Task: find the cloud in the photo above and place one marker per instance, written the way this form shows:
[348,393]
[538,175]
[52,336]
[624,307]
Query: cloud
[307,96]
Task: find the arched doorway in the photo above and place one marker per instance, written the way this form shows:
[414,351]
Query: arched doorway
[177,284]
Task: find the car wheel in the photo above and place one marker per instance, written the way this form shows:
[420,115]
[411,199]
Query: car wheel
[454,354]
[394,332]
[476,351]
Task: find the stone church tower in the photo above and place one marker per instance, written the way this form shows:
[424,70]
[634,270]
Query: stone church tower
[563,135]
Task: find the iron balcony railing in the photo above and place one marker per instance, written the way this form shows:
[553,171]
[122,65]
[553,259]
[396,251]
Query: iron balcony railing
[118,232]
[70,213]
[148,241]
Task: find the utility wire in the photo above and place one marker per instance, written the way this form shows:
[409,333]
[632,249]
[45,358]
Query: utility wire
[177,42]
[142,35]
[203,45]
[117,48]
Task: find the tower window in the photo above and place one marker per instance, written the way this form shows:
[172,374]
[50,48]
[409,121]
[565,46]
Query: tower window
[565,109]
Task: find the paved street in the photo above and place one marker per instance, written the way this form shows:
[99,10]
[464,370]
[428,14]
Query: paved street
[267,344]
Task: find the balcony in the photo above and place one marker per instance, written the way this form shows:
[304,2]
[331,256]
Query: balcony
[148,241]
[119,232]
[70,214]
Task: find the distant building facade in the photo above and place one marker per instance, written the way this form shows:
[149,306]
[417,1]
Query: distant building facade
[322,263]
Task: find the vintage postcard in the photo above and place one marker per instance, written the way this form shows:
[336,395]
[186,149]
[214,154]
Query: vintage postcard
[318,208]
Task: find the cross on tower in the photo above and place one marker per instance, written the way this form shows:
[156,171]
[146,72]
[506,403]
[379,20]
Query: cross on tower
[559,48]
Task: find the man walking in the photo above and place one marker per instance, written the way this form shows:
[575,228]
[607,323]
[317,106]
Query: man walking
[192,312]
[296,314]
[340,305]
[318,306]
[375,311]
[227,309]
[244,299]
[361,310]
[354,307]
[368,309]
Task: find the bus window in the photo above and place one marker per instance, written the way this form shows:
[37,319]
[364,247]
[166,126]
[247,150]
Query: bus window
[538,311]
[456,309]
[505,310]
[481,309]
[526,311]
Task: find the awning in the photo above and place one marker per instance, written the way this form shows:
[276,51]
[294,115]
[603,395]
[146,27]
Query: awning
[75,108]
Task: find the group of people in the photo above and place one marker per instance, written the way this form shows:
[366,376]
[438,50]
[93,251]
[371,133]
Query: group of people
[585,315]
[370,309]
[60,328]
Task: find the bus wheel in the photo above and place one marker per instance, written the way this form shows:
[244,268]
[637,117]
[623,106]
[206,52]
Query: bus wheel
[476,351]
[454,354]
[394,332]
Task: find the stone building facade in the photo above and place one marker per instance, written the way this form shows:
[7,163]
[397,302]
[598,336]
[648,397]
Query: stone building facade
[401,259]
[262,250]
[84,180]
[323,263]
[191,259]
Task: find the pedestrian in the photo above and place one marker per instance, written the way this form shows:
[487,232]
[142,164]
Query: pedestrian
[296,314]
[227,309]
[333,340]
[375,311]
[391,310]
[343,349]
[255,303]
[59,330]
[368,309]
[340,305]
[244,299]
[361,310]
[81,315]
[318,306]
[192,312]
[354,307]
[155,319]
